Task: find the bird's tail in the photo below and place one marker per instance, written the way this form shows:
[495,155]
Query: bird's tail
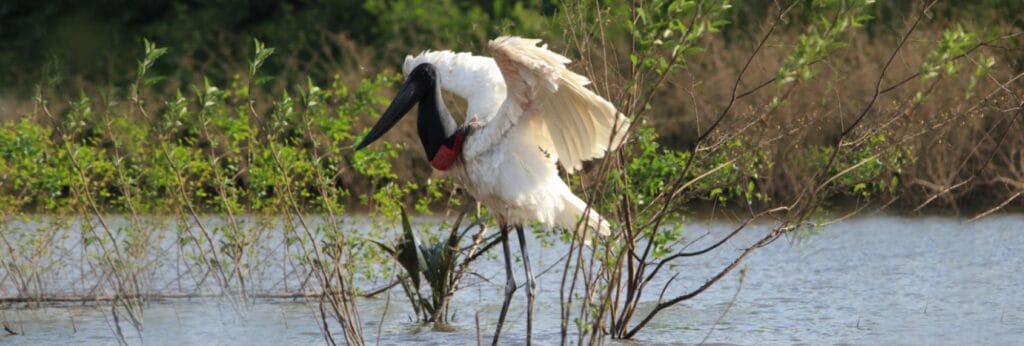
[575,209]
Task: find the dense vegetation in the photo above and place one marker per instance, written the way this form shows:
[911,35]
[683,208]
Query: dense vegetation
[74,58]
[180,109]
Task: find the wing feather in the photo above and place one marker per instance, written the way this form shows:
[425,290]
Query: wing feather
[573,124]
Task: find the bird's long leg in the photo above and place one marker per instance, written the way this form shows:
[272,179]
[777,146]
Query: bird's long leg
[510,283]
[531,286]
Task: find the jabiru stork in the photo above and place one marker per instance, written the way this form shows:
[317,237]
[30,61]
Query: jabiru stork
[526,113]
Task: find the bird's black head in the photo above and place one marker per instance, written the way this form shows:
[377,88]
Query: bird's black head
[434,124]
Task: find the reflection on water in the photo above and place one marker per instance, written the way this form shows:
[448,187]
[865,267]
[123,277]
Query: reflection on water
[870,280]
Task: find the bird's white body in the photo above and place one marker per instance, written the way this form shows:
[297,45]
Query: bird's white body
[526,113]
[519,185]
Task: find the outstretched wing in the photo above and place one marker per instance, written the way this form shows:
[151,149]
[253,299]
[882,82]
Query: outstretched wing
[570,122]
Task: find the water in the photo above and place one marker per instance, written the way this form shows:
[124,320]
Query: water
[871,280]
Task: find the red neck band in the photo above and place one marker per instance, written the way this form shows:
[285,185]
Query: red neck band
[445,156]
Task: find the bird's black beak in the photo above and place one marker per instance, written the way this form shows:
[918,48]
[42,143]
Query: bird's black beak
[410,93]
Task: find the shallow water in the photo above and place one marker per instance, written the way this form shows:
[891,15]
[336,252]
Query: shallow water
[871,280]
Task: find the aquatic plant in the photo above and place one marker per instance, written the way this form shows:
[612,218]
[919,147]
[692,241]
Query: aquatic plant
[438,266]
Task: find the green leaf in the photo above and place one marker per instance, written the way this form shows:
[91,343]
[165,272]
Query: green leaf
[859,187]
[409,255]
[387,248]
[263,80]
[153,80]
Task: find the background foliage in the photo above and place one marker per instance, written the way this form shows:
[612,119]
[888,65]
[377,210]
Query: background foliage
[339,57]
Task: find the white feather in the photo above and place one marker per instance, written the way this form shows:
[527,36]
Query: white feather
[527,112]
[474,78]
[540,88]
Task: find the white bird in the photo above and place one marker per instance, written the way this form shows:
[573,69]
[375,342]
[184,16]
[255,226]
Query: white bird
[526,112]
